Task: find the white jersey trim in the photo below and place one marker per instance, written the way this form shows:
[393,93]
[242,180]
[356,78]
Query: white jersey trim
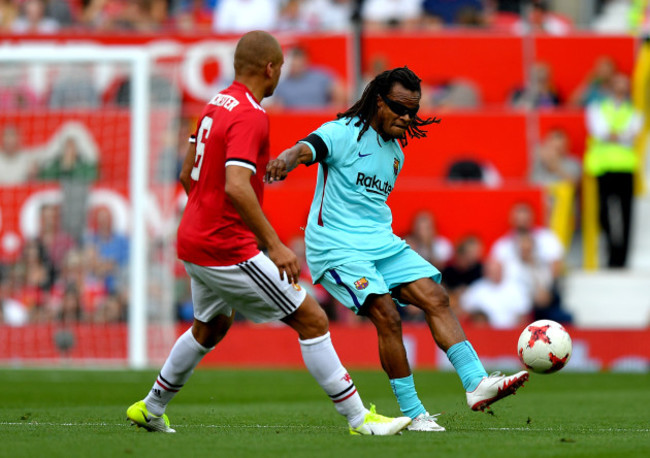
[254,103]
[241,164]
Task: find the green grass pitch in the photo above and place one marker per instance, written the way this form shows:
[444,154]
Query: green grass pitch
[275,413]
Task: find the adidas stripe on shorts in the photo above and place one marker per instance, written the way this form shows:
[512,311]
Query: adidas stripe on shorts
[252,288]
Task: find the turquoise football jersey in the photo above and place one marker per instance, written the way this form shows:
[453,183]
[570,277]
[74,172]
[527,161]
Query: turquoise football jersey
[349,219]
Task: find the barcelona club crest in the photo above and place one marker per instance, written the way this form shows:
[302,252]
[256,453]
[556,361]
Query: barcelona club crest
[395,166]
[361,283]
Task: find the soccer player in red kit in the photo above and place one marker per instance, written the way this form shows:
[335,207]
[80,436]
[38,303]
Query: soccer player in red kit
[223,176]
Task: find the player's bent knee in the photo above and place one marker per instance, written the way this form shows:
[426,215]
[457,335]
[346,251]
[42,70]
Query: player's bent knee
[210,334]
[309,320]
[427,295]
[383,314]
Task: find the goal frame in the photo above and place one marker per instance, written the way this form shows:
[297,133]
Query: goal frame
[140,65]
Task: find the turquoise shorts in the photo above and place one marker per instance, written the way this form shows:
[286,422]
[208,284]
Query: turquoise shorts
[353,282]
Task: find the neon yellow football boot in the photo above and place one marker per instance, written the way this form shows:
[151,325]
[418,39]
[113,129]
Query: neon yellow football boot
[378,425]
[140,417]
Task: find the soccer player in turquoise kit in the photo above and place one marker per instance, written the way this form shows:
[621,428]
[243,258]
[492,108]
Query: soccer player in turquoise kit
[351,248]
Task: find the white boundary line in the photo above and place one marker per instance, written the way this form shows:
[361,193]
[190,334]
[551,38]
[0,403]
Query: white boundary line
[558,430]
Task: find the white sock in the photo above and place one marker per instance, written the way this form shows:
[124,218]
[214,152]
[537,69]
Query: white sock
[324,365]
[183,358]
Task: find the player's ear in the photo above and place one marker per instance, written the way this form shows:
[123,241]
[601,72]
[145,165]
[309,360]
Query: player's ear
[269,70]
[380,102]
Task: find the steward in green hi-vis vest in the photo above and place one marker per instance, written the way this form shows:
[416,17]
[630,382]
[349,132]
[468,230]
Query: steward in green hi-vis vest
[604,156]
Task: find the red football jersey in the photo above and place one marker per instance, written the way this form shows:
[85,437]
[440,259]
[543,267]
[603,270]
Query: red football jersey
[233,131]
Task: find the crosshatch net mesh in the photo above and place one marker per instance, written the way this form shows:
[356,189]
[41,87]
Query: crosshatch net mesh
[65,211]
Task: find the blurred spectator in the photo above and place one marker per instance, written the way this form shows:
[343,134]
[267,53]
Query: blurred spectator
[163,92]
[613,125]
[240,16]
[327,15]
[15,92]
[110,248]
[125,15]
[539,92]
[505,303]
[390,14]
[33,19]
[306,86]
[111,310]
[38,276]
[454,12]
[77,293]
[192,15]
[56,242]
[614,17]
[16,166]
[540,19]
[522,221]
[464,269]
[70,163]
[74,168]
[426,241]
[74,88]
[537,278]
[290,17]
[61,12]
[597,84]
[69,309]
[553,162]
[8,13]
[315,15]
[503,14]
[19,165]
[145,16]
[12,311]
[508,6]
[560,174]
[639,18]
[100,15]
[457,93]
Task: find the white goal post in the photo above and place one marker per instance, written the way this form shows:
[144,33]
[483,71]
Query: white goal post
[139,62]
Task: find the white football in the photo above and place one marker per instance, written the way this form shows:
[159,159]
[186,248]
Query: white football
[544,346]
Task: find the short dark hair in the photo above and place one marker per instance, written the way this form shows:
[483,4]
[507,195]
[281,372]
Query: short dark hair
[366,107]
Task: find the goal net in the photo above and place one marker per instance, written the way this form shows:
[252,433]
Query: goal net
[88,205]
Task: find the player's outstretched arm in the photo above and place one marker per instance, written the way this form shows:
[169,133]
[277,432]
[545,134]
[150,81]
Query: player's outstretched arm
[242,196]
[278,169]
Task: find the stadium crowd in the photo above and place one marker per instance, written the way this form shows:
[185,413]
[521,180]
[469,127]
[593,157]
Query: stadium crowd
[237,16]
[65,274]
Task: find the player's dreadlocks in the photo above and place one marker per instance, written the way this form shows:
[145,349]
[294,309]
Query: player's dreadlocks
[366,107]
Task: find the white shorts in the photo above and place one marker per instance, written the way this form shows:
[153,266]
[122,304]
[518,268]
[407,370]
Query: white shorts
[252,287]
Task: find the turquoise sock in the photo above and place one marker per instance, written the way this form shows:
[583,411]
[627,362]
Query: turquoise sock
[467,365]
[407,398]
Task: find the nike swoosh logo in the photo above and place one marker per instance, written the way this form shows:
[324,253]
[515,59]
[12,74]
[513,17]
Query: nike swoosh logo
[146,418]
[364,155]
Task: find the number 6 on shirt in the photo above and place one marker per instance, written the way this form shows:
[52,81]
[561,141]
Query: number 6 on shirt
[204,132]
